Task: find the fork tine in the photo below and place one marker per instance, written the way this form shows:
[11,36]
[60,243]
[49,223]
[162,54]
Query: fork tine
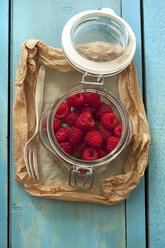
[35,163]
[26,161]
[31,162]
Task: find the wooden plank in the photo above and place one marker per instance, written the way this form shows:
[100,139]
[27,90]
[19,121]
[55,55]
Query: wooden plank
[4,25]
[135,205]
[51,223]
[154,36]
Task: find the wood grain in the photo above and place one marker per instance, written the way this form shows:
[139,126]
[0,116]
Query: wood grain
[135,205]
[4,22]
[51,223]
[154,36]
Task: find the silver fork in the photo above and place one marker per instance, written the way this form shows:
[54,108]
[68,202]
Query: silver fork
[30,150]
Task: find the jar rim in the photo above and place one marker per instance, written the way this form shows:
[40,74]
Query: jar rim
[124,118]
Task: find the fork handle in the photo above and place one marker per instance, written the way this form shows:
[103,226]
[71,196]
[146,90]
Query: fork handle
[39,95]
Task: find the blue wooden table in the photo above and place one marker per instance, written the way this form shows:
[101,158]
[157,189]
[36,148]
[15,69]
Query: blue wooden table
[138,222]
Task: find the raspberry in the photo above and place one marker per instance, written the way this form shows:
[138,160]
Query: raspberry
[75,135]
[76,100]
[62,112]
[82,171]
[92,99]
[45,122]
[112,142]
[45,126]
[85,122]
[118,130]
[103,147]
[72,118]
[93,138]
[81,147]
[105,133]
[95,127]
[62,134]
[101,153]
[67,147]
[86,109]
[90,154]
[102,109]
[109,121]
[56,125]
[45,130]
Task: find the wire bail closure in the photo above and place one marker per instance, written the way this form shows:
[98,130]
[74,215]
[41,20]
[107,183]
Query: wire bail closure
[100,80]
[87,182]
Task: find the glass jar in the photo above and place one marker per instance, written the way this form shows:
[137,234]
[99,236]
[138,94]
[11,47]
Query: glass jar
[104,30]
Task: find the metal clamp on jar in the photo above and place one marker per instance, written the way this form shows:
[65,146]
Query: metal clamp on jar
[104,31]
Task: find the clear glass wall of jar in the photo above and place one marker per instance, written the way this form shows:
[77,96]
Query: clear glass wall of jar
[73,164]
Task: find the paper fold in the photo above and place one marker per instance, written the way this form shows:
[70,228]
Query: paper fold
[115,188]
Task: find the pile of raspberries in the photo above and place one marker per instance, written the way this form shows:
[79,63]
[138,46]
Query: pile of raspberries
[85,127]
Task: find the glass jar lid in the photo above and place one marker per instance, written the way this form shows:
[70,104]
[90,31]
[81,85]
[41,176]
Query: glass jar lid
[98,42]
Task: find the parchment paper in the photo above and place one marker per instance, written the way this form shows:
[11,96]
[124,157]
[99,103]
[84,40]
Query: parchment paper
[122,176]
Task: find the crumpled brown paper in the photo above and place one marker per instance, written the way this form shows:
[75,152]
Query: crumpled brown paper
[115,188]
